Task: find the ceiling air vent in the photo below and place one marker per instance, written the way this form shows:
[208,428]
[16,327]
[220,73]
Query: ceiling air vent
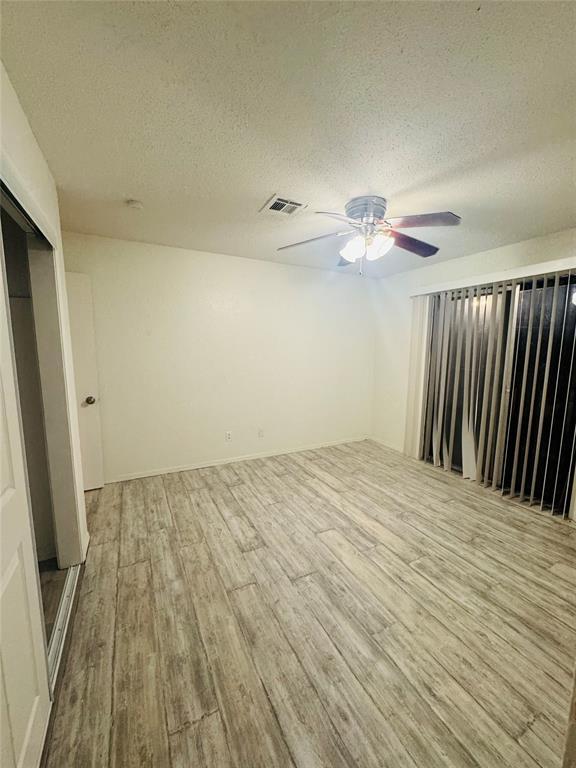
[282,205]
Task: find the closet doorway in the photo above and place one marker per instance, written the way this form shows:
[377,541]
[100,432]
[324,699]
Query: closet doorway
[52,579]
[500,387]
[34,339]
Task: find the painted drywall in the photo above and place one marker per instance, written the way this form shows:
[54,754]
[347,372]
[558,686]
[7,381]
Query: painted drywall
[393,315]
[26,174]
[191,345]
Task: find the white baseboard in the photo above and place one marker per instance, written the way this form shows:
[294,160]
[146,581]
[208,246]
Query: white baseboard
[230,460]
[389,447]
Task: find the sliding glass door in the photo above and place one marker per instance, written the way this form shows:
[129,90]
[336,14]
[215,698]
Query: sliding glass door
[500,387]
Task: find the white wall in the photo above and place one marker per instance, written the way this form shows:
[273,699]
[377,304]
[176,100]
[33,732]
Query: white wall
[192,344]
[393,312]
[25,172]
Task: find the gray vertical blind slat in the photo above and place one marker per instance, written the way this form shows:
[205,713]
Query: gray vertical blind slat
[442,387]
[566,505]
[449,401]
[475,332]
[534,384]
[509,359]
[480,341]
[496,400]
[525,366]
[480,463]
[467,380]
[512,393]
[430,362]
[461,331]
[436,402]
[550,343]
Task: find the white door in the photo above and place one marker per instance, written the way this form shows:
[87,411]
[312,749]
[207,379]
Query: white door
[81,312]
[24,687]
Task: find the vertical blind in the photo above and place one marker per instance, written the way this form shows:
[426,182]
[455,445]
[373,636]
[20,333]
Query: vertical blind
[499,402]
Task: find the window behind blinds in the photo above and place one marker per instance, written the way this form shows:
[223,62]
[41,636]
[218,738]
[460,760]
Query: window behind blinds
[500,386]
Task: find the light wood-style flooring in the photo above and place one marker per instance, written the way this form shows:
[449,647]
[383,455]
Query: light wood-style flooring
[338,607]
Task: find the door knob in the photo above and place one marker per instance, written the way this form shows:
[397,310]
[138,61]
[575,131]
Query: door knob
[90,400]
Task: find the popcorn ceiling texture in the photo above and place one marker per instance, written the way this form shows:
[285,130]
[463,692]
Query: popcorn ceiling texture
[203,110]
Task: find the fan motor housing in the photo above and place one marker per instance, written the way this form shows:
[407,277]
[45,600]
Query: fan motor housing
[367,209]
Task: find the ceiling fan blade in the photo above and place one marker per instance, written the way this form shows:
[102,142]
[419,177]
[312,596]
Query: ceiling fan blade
[313,239]
[418,247]
[443,219]
[344,263]
[340,217]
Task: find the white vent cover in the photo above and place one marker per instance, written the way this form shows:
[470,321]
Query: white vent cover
[282,205]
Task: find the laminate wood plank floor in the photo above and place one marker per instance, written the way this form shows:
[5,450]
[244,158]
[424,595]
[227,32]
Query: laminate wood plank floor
[344,606]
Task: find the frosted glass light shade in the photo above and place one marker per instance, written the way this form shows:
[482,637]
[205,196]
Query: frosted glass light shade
[379,246]
[354,249]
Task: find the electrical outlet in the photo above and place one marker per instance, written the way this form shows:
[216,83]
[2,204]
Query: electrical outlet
[260,433]
[227,436]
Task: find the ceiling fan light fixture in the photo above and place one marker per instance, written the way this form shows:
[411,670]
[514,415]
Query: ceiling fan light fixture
[376,234]
[354,249]
[380,245]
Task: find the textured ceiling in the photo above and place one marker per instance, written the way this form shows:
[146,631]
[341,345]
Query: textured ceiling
[204,110]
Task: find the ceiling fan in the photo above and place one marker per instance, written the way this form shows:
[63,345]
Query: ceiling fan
[375,235]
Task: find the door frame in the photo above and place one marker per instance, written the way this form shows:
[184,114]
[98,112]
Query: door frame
[57,383]
[64,465]
[83,336]
[23,730]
